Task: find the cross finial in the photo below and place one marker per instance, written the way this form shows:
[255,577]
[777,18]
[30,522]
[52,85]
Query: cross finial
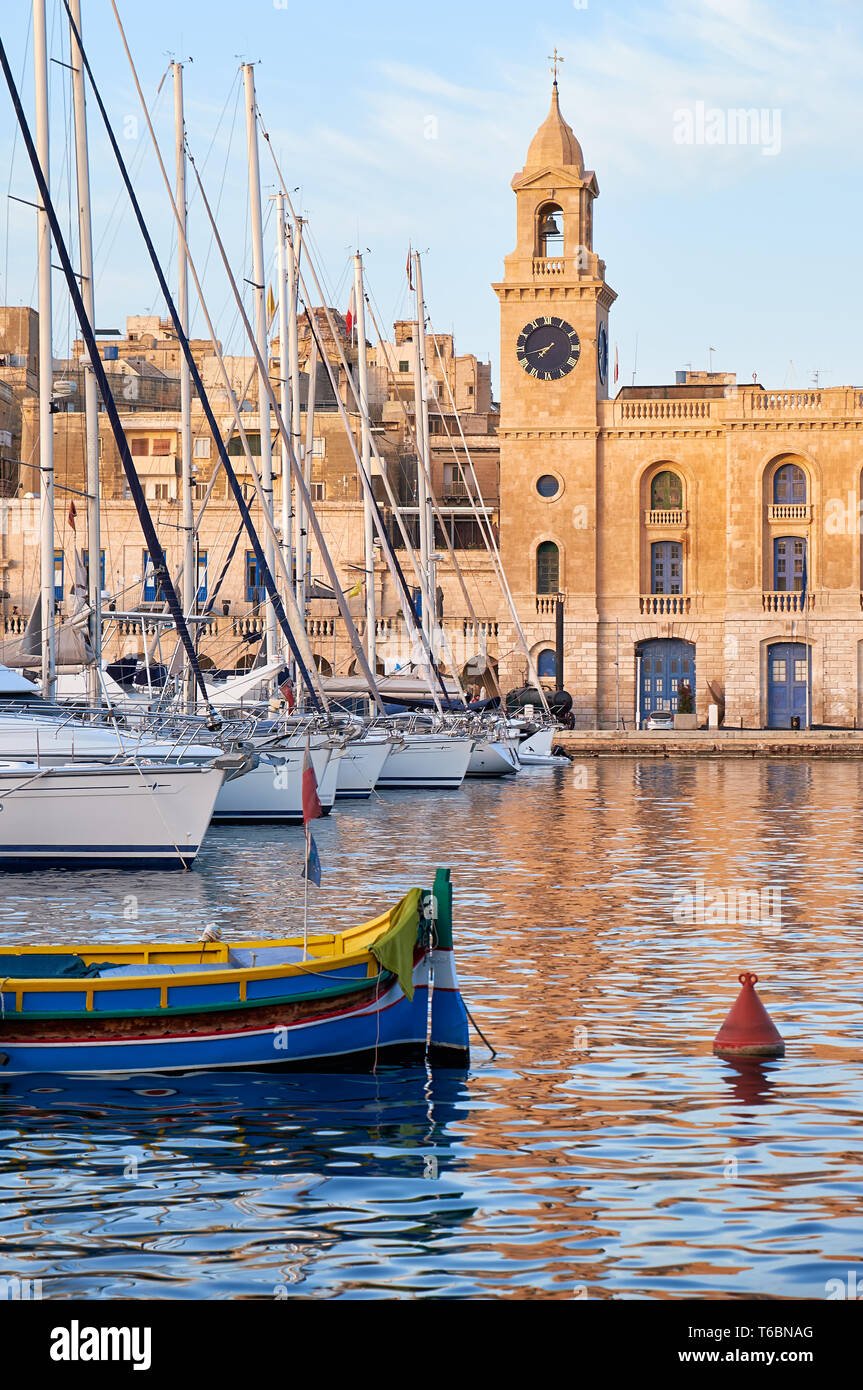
[556,59]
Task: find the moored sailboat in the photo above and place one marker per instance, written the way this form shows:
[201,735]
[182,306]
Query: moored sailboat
[124,814]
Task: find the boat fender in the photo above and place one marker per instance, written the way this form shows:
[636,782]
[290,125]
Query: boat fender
[4,1059]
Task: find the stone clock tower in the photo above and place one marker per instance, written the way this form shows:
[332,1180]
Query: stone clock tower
[554,306]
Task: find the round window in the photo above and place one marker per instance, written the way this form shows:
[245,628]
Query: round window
[547,485]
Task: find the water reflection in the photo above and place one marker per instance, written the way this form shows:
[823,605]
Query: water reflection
[605,1149]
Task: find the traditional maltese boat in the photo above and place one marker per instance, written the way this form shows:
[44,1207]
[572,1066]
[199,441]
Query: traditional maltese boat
[381,993]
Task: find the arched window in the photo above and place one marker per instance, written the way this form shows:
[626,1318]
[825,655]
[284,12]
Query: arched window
[789,484]
[546,664]
[550,230]
[666,492]
[547,568]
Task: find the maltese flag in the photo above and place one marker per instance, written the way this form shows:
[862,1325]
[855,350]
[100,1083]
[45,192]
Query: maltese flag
[311,801]
[351,315]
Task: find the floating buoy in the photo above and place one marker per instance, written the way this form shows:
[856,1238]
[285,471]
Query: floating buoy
[748,1029]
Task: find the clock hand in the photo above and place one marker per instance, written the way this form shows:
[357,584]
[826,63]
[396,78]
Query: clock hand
[541,351]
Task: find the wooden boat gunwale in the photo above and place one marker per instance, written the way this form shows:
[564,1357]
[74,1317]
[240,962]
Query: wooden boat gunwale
[324,954]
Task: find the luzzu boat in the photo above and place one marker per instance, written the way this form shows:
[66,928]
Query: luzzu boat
[381,993]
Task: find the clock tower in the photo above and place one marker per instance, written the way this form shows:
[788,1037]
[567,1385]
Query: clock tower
[554,305]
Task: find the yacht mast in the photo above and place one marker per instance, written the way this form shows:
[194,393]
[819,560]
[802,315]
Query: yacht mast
[91,393]
[308,453]
[258,274]
[187,529]
[284,386]
[421,410]
[368,518]
[46,360]
[301,523]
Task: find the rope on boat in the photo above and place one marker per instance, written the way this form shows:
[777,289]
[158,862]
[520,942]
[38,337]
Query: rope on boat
[479,1030]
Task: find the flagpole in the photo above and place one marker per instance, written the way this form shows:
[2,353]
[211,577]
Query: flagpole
[306,899]
[806,643]
[262,342]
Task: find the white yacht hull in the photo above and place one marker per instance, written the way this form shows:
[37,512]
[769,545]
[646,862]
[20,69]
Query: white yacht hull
[90,815]
[360,767]
[492,758]
[273,791]
[536,750]
[426,762]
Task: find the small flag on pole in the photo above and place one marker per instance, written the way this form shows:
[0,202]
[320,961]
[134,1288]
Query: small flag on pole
[615,363]
[311,801]
[409,269]
[73,512]
[312,867]
[311,810]
[357,589]
[351,315]
[286,687]
[271,303]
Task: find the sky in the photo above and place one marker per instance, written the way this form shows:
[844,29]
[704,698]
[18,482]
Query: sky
[402,125]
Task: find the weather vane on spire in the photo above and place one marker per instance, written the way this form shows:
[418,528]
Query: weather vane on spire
[555,58]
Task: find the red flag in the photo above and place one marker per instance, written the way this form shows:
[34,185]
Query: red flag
[311,801]
[409,269]
[351,315]
[615,362]
[286,689]
[73,512]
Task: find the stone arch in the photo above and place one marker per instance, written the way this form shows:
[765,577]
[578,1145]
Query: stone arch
[548,566]
[546,243]
[791,515]
[659,525]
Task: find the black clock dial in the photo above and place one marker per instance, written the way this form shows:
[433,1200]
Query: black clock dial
[548,348]
[602,352]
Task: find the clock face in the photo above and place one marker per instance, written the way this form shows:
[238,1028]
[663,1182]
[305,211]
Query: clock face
[548,348]
[602,352]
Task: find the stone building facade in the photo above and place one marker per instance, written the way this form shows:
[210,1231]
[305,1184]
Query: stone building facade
[700,533]
[142,366]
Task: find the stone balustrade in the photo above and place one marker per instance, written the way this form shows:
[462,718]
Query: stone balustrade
[666,517]
[664,605]
[791,601]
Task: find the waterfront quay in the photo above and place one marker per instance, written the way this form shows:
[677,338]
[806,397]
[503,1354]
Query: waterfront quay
[713,743]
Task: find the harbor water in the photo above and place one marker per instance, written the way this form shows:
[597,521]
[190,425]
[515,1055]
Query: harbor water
[603,913]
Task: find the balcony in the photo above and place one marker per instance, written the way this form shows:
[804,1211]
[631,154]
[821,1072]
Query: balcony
[664,605]
[789,511]
[660,517]
[546,604]
[792,601]
[549,266]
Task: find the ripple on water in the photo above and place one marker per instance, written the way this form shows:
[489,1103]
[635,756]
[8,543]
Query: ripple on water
[604,1149]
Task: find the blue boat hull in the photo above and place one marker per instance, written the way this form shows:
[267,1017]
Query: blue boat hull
[386,1028]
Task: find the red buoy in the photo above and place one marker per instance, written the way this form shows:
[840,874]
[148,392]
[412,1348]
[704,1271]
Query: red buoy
[748,1030]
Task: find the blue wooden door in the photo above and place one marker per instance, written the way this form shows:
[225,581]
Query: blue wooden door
[787,676]
[789,564]
[149,579]
[665,663]
[666,567]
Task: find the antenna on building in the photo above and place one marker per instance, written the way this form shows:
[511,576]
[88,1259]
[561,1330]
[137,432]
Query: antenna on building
[710,352]
[817,373]
[635,360]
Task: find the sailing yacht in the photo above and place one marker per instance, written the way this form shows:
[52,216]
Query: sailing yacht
[130,814]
